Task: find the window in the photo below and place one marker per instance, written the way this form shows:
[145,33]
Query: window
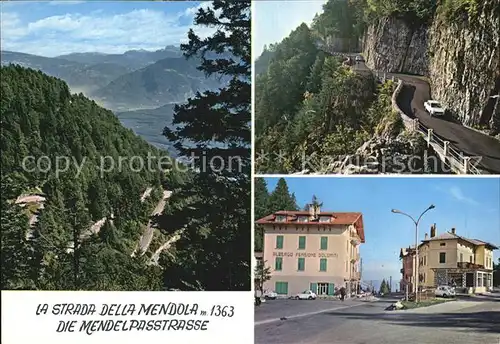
[322,264]
[442,257]
[470,259]
[301,264]
[302,242]
[324,219]
[281,288]
[479,280]
[324,243]
[279,241]
[461,257]
[302,219]
[278,264]
[280,218]
[442,244]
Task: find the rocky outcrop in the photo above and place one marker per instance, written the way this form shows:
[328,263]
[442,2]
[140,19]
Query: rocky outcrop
[392,45]
[405,154]
[461,57]
[465,65]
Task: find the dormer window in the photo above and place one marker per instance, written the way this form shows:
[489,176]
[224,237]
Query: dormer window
[280,218]
[324,219]
[302,219]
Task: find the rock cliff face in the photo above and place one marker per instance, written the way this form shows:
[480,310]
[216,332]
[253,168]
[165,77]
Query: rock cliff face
[392,45]
[461,58]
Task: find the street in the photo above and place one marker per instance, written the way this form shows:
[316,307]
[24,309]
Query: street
[468,141]
[359,322]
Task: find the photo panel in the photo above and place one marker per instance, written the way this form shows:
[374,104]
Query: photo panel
[376,87]
[126,171]
[338,259]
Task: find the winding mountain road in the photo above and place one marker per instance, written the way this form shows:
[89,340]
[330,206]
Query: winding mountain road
[468,141]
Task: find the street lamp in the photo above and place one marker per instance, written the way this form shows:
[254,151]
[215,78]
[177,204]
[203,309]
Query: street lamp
[416,222]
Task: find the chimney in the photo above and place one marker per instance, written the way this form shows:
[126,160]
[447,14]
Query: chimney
[453,231]
[311,210]
[426,236]
[317,210]
[433,230]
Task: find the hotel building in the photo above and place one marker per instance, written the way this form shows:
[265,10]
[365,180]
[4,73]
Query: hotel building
[451,259]
[312,250]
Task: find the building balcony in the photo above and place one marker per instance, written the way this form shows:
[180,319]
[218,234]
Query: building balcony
[467,265]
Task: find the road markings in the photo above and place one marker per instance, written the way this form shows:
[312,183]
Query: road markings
[268,321]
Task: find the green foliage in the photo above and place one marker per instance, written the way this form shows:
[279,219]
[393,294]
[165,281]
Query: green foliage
[268,203]
[214,204]
[262,274]
[41,119]
[384,287]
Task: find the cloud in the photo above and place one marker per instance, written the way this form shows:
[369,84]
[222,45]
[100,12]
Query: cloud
[457,193]
[98,31]
[64,2]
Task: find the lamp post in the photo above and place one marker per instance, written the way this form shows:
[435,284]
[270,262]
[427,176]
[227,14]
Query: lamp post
[416,222]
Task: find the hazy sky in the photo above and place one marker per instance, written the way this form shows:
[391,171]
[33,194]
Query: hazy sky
[274,20]
[53,28]
[471,205]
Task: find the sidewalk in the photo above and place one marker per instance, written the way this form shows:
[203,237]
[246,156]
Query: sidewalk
[450,306]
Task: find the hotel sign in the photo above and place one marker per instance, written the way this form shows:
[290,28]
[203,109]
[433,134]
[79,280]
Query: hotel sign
[305,254]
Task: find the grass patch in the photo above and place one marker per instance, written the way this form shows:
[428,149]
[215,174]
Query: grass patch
[425,303]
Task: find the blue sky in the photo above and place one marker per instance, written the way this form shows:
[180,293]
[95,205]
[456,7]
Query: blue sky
[274,20]
[52,28]
[471,205]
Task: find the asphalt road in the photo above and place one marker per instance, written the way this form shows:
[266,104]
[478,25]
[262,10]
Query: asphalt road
[369,323]
[471,142]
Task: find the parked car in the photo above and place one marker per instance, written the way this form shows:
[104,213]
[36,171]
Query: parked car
[434,108]
[359,58]
[270,295]
[445,291]
[305,295]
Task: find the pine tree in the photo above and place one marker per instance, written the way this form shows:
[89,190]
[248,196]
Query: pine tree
[261,209]
[281,199]
[217,212]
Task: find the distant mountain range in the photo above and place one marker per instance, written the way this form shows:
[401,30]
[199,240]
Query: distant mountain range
[136,79]
[139,86]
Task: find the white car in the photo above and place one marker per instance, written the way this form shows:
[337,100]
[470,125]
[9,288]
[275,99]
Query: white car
[445,291]
[359,58]
[270,295]
[434,108]
[305,295]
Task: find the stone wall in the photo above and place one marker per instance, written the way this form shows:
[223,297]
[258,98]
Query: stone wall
[460,57]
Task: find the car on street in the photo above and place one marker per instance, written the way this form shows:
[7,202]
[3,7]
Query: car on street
[445,291]
[359,58]
[270,295]
[305,295]
[434,108]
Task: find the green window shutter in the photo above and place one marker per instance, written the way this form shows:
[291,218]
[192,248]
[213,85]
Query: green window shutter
[302,242]
[279,241]
[322,264]
[324,243]
[278,264]
[302,263]
[281,288]
[331,289]
[314,287]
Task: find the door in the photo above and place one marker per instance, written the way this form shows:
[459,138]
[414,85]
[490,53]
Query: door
[314,288]
[322,289]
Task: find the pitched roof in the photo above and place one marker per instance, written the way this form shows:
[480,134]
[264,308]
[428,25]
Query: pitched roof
[344,218]
[451,236]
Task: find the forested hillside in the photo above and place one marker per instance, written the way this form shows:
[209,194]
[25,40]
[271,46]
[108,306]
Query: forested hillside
[43,123]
